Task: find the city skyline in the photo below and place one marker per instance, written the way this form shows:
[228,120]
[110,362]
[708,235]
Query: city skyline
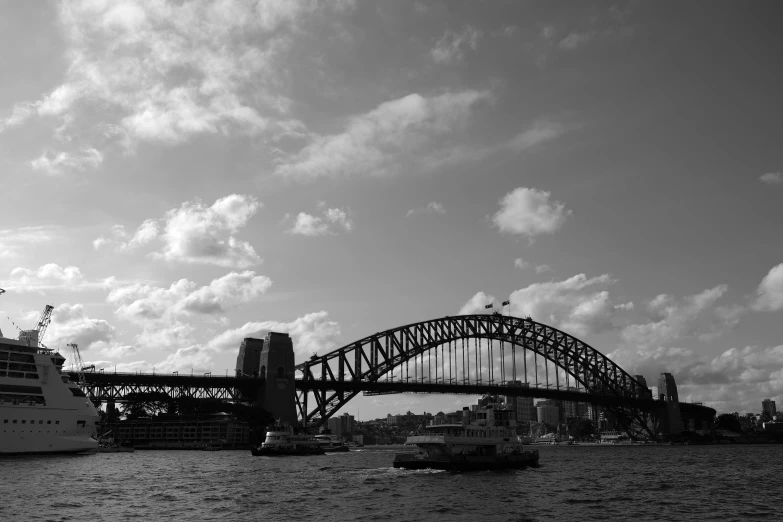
[180,176]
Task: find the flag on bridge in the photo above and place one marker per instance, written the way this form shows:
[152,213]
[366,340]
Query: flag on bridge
[506,303]
[489,306]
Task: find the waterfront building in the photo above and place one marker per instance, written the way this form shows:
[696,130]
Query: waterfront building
[181,431]
[768,406]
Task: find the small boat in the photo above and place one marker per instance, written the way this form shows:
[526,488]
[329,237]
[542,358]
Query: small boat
[331,444]
[281,440]
[486,439]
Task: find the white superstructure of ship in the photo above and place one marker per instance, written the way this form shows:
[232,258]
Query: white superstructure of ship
[41,409]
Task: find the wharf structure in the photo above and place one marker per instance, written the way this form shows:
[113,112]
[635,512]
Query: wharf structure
[181,432]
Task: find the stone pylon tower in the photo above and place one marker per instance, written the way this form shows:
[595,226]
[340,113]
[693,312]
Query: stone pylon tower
[670,419]
[277,394]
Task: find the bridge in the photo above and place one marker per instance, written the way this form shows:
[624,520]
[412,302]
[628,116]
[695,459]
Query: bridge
[467,354]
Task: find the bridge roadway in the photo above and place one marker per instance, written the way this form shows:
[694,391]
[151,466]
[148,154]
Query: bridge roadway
[117,386]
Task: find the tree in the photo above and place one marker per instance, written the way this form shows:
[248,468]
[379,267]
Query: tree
[727,421]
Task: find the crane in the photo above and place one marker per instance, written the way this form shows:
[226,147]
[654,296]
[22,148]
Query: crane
[43,322]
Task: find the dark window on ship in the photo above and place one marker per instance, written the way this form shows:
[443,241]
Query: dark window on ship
[5,421]
[280,372]
[57,422]
[40,422]
[81,423]
[24,422]
[77,392]
[66,379]
[14,421]
[48,422]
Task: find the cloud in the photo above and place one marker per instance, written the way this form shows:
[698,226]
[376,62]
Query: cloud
[332,219]
[168,71]
[575,40]
[195,233]
[311,333]
[528,212]
[769,294]
[450,46]
[734,380]
[379,142]
[577,305]
[433,207]
[150,306]
[674,319]
[14,239]
[120,241]
[71,324]
[540,132]
[52,276]
[55,163]
[772,178]
[522,264]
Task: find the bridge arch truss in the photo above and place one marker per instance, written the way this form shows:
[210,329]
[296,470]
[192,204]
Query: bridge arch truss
[385,354]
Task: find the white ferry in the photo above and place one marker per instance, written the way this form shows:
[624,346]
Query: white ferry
[485,439]
[331,444]
[281,440]
[41,410]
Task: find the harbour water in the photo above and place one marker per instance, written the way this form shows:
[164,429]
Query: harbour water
[573,483]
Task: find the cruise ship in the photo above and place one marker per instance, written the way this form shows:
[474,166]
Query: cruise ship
[41,409]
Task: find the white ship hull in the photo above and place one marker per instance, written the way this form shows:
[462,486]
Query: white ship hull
[41,410]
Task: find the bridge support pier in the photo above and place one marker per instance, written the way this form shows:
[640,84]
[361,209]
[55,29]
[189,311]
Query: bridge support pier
[277,395]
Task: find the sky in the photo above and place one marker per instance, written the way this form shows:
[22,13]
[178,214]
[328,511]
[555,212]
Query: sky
[177,176]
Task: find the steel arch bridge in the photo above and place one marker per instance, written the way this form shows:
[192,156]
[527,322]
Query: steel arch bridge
[337,377]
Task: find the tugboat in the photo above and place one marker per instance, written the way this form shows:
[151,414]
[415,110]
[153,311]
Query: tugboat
[281,440]
[331,444]
[485,439]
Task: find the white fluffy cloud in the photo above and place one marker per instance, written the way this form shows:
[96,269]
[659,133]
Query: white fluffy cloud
[433,207]
[540,132]
[14,239]
[52,276]
[55,163]
[71,324]
[312,333]
[195,233]
[529,212]
[121,241]
[332,219]
[522,264]
[149,305]
[576,305]
[674,320]
[772,178]
[769,294]
[735,380]
[451,45]
[166,71]
[378,142]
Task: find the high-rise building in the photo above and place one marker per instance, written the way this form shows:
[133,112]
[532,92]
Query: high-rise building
[547,412]
[346,423]
[335,426]
[523,406]
[768,406]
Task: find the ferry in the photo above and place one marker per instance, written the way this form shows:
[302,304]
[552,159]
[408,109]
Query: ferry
[485,439]
[41,409]
[281,440]
[331,444]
